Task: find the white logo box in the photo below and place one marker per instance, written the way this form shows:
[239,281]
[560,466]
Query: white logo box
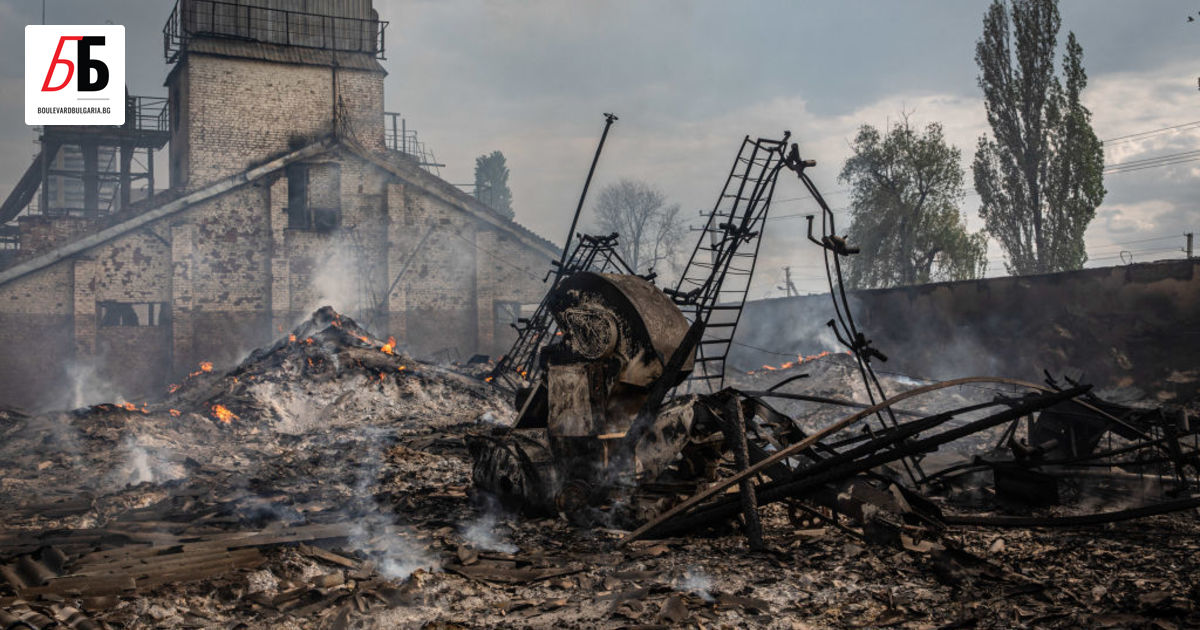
[69,105]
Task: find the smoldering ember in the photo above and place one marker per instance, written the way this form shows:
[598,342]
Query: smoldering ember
[313,384]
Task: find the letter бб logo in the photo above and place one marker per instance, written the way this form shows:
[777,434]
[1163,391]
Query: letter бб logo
[75,75]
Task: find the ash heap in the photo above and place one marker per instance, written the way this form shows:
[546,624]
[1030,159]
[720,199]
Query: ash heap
[611,470]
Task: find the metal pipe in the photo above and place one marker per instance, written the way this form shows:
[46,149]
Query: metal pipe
[609,119]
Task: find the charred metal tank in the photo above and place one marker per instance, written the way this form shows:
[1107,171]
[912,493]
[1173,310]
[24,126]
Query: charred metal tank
[616,334]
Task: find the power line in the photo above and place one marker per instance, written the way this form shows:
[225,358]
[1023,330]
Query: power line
[1133,136]
[1154,162]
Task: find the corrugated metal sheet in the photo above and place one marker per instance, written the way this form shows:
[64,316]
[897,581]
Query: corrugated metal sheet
[282,54]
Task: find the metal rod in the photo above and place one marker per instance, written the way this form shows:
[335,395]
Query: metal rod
[609,119]
[749,500]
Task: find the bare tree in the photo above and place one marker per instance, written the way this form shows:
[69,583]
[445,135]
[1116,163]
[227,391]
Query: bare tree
[650,229]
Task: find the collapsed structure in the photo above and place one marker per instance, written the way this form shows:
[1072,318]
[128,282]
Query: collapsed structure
[597,430]
[330,481]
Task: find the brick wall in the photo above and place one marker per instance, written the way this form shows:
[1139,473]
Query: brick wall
[231,272]
[239,112]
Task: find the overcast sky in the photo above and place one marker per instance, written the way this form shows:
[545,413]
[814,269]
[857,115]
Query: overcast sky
[690,78]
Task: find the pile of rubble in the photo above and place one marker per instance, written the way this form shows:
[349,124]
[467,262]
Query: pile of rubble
[325,482]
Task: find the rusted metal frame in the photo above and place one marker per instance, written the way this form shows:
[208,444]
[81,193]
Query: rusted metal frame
[809,479]
[855,341]
[723,484]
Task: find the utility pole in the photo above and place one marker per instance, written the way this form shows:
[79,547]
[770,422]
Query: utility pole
[1189,245]
[787,283]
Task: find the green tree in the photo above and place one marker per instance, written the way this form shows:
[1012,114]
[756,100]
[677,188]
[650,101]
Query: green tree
[649,228]
[906,187]
[1040,178]
[491,183]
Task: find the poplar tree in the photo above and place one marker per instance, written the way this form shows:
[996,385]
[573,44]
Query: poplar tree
[1040,175]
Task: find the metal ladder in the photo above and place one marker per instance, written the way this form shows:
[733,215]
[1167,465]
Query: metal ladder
[714,285]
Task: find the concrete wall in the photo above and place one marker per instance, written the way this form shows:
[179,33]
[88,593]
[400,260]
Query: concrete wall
[1132,325]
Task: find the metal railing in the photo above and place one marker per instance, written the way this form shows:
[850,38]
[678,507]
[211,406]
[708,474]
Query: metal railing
[234,20]
[398,137]
[147,113]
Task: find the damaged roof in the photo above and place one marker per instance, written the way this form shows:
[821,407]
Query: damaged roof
[397,165]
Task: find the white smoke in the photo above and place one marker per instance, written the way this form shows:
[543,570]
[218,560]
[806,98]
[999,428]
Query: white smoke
[696,583]
[482,533]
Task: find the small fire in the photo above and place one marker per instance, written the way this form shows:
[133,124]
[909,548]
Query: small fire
[172,388]
[363,338]
[292,338]
[799,360]
[487,379]
[381,377]
[389,346]
[129,406]
[175,412]
[222,413]
[309,341]
[401,368]
[205,366]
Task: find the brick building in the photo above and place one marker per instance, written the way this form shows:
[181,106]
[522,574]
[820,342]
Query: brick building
[285,193]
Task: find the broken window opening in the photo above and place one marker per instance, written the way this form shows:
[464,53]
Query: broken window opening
[314,196]
[133,314]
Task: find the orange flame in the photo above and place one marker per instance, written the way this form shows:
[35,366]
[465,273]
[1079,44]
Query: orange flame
[292,338]
[174,412]
[401,368]
[172,388]
[389,346]
[487,379]
[206,366]
[220,412]
[309,341]
[128,406]
[363,338]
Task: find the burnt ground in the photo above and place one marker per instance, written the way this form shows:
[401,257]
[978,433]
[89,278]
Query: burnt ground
[339,498]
